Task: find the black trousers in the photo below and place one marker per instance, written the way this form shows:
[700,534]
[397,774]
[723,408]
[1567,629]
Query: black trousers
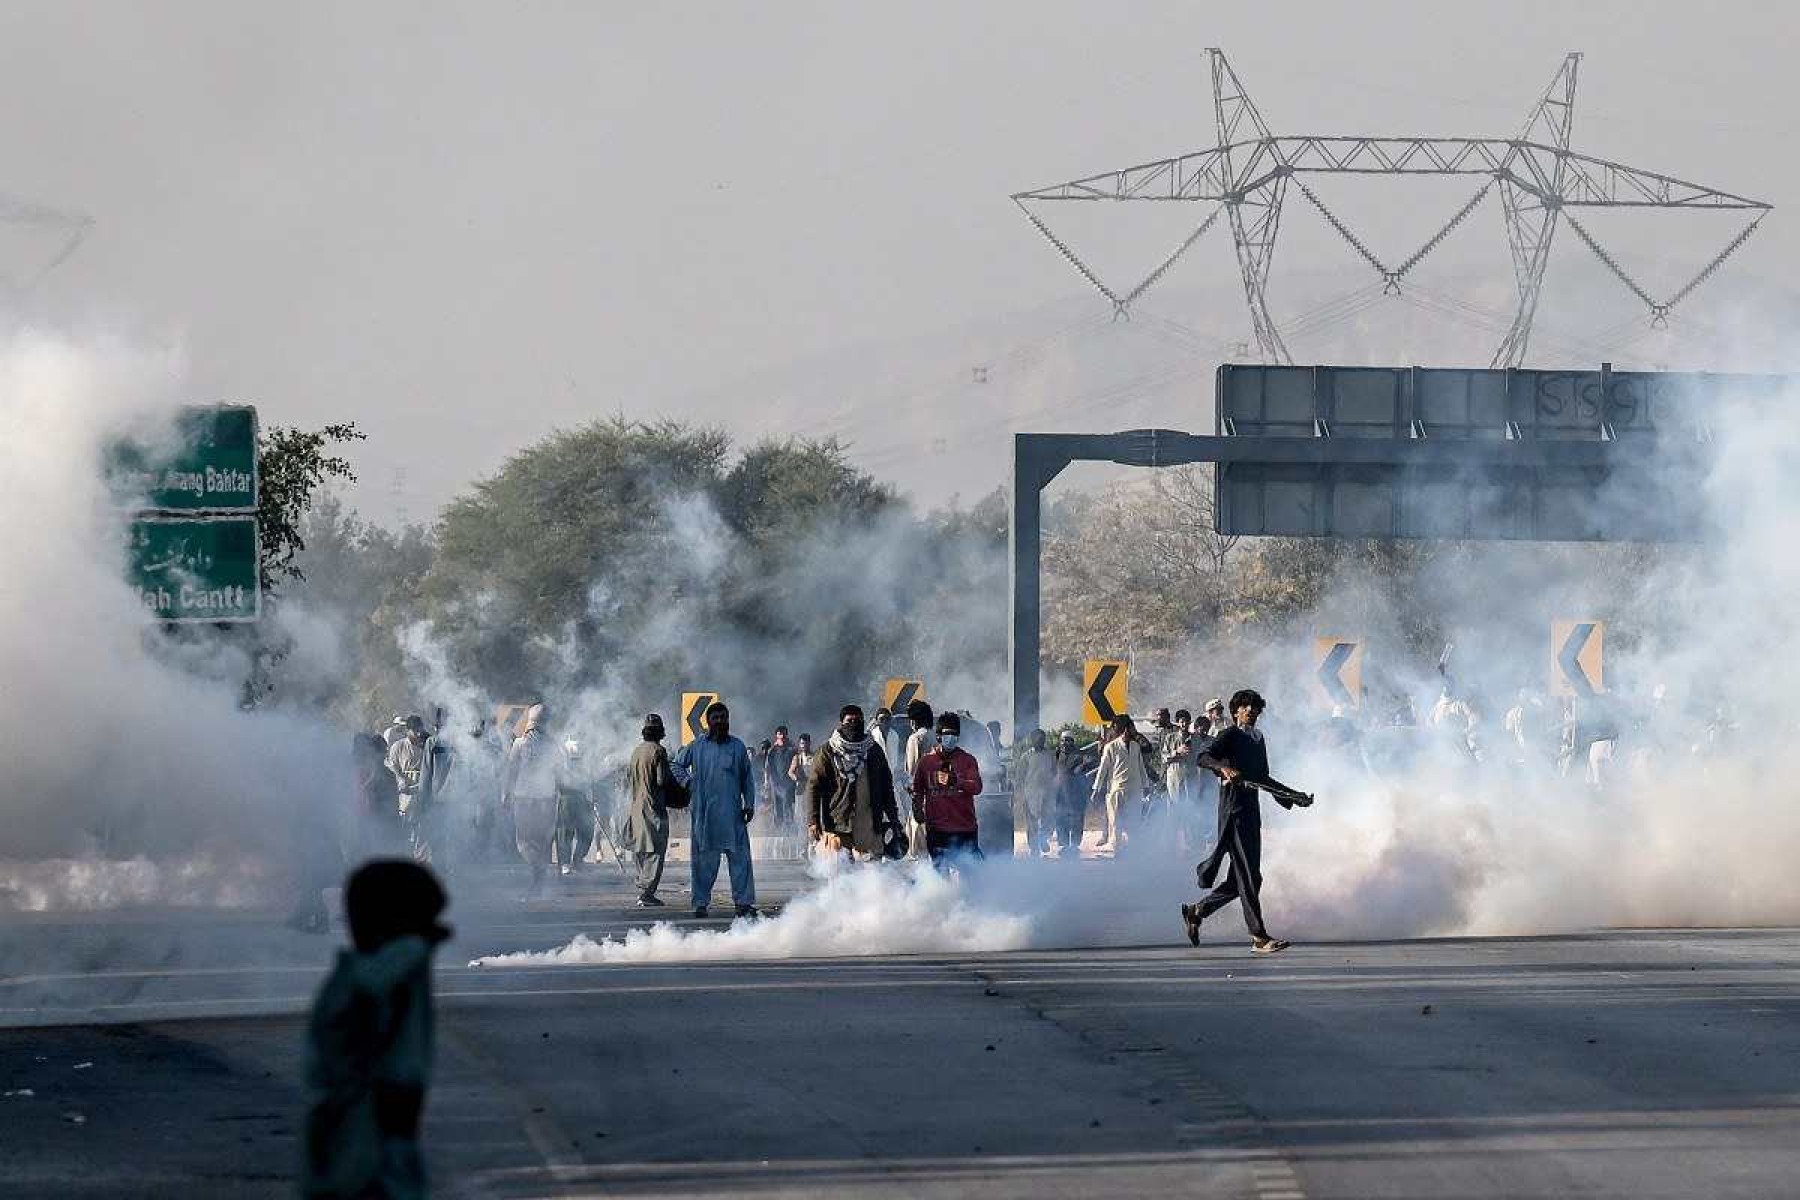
[941,844]
[1069,815]
[1240,841]
[574,828]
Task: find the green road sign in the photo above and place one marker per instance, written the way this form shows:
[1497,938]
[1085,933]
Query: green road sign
[195,569]
[207,463]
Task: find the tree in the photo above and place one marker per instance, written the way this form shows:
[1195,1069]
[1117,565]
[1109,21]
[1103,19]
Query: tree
[781,485]
[1148,547]
[292,464]
[988,521]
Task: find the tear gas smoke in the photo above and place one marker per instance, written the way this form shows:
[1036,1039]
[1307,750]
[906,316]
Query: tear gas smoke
[118,739]
[889,909]
[1691,828]
[115,734]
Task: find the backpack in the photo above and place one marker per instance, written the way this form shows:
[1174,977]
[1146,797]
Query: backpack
[675,792]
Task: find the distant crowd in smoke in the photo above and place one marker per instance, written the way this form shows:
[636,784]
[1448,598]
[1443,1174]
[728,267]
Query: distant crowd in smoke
[609,569]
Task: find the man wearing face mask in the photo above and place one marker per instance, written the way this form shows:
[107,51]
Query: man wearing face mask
[945,785]
[722,803]
[850,798]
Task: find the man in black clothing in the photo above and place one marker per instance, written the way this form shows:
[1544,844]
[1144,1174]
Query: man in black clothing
[1239,757]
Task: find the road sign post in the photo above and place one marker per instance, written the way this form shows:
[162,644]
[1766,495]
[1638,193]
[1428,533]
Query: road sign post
[693,715]
[1577,658]
[1105,690]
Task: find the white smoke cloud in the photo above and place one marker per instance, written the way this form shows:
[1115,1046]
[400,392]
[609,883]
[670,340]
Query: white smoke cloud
[853,910]
[113,733]
[118,738]
[1689,830]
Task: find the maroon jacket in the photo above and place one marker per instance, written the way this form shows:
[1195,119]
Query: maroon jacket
[948,809]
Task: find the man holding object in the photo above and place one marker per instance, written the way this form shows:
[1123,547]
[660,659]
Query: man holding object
[1240,758]
[945,784]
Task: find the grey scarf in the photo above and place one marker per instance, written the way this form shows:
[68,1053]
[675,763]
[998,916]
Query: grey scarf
[847,756]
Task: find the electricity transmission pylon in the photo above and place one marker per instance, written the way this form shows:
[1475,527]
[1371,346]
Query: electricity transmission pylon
[1542,183]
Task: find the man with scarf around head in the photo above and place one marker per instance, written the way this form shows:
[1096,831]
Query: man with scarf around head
[850,798]
[646,834]
[945,785]
[1240,758]
[722,803]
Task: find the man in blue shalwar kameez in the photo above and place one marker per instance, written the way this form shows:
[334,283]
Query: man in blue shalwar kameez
[718,774]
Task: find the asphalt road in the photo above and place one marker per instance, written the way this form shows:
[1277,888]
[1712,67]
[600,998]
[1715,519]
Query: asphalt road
[160,1052]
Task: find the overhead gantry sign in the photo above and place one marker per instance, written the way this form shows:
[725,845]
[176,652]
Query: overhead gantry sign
[1405,452]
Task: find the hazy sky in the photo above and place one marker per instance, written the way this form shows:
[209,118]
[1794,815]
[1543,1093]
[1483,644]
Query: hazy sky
[463,225]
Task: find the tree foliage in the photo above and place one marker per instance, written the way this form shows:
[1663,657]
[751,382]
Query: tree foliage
[292,465]
[553,566]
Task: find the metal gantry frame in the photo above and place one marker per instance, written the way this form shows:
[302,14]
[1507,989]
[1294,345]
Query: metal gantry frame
[1541,180]
[1038,458]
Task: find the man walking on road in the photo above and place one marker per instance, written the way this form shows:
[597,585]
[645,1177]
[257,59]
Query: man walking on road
[918,745]
[647,824]
[1071,764]
[722,803]
[529,792]
[850,798]
[945,785]
[1240,758]
[1034,792]
[781,783]
[576,817]
[1123,779]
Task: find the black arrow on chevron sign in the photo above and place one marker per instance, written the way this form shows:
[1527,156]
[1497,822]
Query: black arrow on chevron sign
[1329,677]
[1096,692]
[1569,659]
[694,717]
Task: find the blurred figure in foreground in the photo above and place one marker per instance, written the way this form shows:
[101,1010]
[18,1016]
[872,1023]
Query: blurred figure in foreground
[369,1040]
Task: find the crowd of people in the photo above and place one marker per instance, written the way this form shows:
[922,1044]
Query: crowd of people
[873,789]
[369,1034]
[882,788]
